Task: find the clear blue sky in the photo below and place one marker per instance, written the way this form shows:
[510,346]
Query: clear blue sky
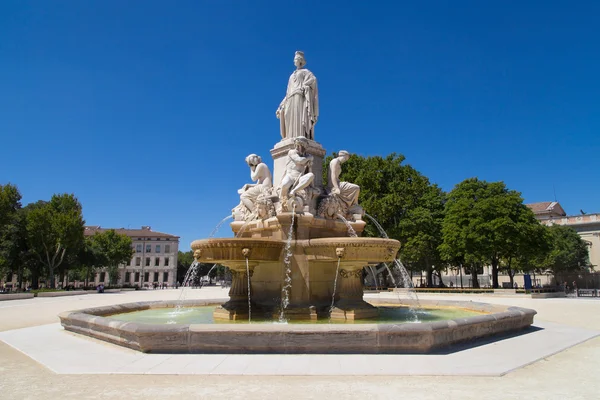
[146,109]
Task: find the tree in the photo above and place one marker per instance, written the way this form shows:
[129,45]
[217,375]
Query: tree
[114,249]
[11,242]
[422,234]
[407,206]
[484,223]
[530,244]
[53,229]
[184,260]
[89,259]
[568,251]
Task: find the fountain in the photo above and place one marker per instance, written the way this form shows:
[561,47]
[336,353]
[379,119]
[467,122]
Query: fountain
[297,255]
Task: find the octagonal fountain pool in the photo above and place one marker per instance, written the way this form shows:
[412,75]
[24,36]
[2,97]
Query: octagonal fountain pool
[166,327]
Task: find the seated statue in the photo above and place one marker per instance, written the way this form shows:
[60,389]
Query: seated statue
[250,192]
[342,196]
[298,172]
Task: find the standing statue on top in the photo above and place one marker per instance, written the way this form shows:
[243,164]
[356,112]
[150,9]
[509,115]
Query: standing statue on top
[299,110]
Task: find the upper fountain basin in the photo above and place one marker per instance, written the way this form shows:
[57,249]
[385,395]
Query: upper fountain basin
[237,249]
[362,249]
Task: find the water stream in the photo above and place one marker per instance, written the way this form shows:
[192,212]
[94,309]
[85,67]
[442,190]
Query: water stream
[337,272]
[351,231]
[214,231]
[287,261]
[374,277]
[407,281]
[249,303]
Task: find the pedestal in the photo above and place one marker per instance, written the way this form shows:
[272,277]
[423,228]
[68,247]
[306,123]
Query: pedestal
[351,305]
[280,152]
[237,306]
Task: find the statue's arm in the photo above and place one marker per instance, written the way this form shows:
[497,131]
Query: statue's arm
[334,175]
[295,157]
[260,172]
[310,80]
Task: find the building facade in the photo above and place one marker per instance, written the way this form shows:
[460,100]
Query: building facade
[154,261]
[586,225]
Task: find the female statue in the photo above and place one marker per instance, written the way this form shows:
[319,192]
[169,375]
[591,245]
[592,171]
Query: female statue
[299,109]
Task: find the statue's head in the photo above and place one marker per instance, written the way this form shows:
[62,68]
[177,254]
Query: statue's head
[264,207]
[343,155]
[299,60]
[253,160]
[197,255]
[300,143]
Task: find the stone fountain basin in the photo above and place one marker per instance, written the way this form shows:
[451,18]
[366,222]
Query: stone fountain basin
[386,338]
[356,249]
[223,251]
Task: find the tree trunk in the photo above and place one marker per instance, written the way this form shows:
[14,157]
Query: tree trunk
[511,276]
[51,278]
[20,277]
[474,280]
[35,280]
[61,277]
[495,272]
[441,284]
[429,276]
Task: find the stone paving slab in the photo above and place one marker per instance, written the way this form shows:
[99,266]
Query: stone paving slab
[67,353]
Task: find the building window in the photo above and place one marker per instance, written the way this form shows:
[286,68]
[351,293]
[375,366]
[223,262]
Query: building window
[148,248]
[165,277]
[9,277]
[156,277]
[128,263]
[167,248]
[102,276]
[157,248]
[137,276]
[156,261]
[147,261]
[138,248]
[127,277]
[166,261]
[146,276]
[138,261]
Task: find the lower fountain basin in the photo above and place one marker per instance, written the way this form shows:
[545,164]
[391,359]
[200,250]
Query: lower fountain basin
[367,338]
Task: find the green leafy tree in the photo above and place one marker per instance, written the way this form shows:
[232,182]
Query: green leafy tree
[114,249]
[90,259]
[531,244]
[53,229]
[568,252]
[11,240]
[184,260]
[484,223]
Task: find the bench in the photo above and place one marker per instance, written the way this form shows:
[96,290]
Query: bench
[586,292]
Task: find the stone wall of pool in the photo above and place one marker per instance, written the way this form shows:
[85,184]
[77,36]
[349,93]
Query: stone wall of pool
[384,338]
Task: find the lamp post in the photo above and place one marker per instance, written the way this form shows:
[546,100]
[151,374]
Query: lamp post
[143,262]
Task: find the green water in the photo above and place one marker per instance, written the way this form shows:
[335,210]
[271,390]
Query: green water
[204,315]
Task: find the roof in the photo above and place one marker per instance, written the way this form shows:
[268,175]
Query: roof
[547,207]
[145,231]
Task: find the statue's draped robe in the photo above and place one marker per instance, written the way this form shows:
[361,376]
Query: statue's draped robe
[348,191]
[300,107]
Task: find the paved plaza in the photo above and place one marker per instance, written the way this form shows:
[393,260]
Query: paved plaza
[555,359]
